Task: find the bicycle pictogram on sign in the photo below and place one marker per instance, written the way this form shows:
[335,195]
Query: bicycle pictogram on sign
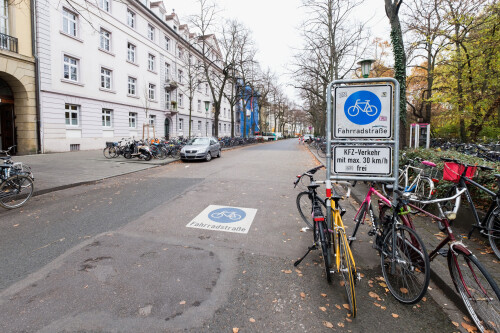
[362,107]
[227,215]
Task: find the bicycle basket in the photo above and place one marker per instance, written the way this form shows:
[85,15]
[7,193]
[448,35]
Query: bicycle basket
[453,171]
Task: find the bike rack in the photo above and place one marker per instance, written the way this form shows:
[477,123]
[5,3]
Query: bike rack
[392,141]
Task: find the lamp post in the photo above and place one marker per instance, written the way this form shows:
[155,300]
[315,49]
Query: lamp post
[366,65]
[207,106]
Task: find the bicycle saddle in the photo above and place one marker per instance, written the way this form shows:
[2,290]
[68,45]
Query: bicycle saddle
[313,186]
[429,163]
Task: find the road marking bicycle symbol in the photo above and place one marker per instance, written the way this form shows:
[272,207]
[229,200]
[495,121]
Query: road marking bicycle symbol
[370,110]
[230,215]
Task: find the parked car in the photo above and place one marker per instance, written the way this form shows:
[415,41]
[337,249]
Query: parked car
[308,137]
[201,148]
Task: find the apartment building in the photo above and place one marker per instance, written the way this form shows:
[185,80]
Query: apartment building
[114,69]
[18,112]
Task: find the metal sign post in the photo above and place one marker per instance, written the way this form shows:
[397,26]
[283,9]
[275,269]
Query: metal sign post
[365,133]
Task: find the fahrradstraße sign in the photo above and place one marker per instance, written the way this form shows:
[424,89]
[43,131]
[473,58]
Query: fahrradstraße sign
[363,111]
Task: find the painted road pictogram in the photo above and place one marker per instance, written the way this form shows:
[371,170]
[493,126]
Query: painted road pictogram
[227,215]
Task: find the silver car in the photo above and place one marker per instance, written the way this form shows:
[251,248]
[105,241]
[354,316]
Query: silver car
[201,148]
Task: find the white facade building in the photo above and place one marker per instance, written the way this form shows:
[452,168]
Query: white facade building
[109,69]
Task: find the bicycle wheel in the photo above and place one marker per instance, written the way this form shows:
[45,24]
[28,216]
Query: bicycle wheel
[322,151]
[424,191]
[358,220]
[162,154]
[304,206]
[406,270]
[493,226]
[107,152]
[347,271]
[477,288]
[325,249]
[15,191]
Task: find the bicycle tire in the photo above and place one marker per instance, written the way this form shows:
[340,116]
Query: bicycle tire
[411,264]
[10,196]
[347,271]
[162,153]
[480,294]
[304,206]
[325,249]
[107,152]
[424,191]
[321,151]
[493,227]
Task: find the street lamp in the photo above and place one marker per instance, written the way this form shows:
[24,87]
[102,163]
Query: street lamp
[366,65]
[207,106]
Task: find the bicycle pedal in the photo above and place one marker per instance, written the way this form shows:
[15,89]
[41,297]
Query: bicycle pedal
[350,238]
[371,233]
[443,252]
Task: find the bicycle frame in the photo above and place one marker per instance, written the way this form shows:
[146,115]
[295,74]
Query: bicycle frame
[339,225]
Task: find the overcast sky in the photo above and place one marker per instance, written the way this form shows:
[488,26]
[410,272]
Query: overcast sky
[274,26]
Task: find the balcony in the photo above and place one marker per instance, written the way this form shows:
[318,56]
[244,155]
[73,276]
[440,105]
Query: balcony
[8,43]
[171,106]
[170,84]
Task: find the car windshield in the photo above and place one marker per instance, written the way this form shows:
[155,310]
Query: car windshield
[199,142]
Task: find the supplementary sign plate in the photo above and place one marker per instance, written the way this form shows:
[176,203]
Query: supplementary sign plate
[363,112]
[365,160]
[224,218]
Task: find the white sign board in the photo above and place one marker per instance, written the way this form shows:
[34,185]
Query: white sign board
[224,218]
[363,112]
[365,160]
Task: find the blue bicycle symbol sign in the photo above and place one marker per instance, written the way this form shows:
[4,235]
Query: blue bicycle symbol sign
[227,215]
[362,107]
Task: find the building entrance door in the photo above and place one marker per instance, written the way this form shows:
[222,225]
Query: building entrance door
[7,129]
[167,129]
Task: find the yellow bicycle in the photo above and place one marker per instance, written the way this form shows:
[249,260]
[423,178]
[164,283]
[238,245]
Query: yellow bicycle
[344,259]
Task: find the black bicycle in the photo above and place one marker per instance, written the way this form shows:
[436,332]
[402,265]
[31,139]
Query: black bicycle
[461,174]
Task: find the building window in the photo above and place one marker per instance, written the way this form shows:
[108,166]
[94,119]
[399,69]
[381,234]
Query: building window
[71,68]
[151,62]
[167,71]
[180,52]
[220,127]
[199,105]
[132,120]
[152,120]
[71,114]
[152,91]
[4,21]
[206,88]
[105,5]
[199,85]
[132,86]
[106,78]
[131,52]
[199,125]
[167,43]
[151,32]
[180,124]
[180,76]
[180,100]
[69,22]
[105,40]
[130,18]
[107,118]
[224,128]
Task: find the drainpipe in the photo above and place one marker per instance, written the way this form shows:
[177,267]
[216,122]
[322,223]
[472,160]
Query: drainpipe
[37,76]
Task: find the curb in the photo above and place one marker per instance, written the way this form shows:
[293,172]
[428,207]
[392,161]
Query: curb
[436,273]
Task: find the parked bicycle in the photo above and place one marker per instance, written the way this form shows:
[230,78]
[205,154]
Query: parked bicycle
[16,186]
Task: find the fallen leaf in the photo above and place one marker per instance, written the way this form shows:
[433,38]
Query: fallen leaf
[182,302]
[323,294]
[455,323]
[382,284]
[298,271]
[466,319]
[303,295]
[328,324]
[424,299]
[469,328]
[16,225]
[236,329]
[374,295]
[340,324]
[383,307]
[349,320]
[342,283]
[346,306]
[404,290]
[252,320]
[338,306]
[376,304]
[322,308]
[287,271]
[361,275]
[395,315]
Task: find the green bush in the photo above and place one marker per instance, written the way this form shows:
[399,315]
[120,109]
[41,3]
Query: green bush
[486,178]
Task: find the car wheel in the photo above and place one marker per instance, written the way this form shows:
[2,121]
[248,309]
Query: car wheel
[208,157]
[220,153]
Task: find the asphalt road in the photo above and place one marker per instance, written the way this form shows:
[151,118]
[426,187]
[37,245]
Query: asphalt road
[118,257]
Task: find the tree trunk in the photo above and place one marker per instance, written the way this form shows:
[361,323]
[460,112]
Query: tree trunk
[392,10]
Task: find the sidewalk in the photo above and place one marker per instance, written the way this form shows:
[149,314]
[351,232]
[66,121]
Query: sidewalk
[58,171]
[432,236]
